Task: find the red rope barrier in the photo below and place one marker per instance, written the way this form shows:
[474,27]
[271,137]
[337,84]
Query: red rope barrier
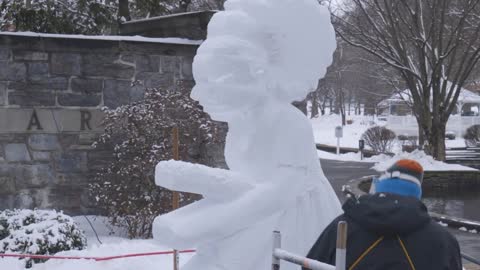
[94,258]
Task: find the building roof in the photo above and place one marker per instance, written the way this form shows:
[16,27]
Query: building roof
[466,96]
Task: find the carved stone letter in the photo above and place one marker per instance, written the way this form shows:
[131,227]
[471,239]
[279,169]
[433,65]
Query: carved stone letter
[34,122]
[85,117]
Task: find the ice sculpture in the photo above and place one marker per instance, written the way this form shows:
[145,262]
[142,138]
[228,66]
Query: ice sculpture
[260,55]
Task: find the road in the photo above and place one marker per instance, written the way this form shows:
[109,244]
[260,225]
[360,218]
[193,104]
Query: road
[340,172]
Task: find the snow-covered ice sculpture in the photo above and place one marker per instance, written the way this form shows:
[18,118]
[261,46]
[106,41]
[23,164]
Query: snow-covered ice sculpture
[260,55]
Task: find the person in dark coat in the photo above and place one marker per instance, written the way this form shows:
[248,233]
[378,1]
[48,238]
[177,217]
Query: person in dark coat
[391,228]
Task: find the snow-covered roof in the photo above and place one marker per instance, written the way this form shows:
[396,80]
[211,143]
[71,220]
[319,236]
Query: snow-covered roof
[465,96]
[170,16]
[182,41]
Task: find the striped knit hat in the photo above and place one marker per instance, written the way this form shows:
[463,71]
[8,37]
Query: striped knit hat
[404,177]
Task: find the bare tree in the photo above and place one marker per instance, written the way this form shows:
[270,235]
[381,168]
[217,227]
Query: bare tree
[433,44]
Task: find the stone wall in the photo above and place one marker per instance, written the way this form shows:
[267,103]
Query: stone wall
[51,92]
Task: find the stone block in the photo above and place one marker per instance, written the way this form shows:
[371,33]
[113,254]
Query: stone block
[66,140]
[87,85]
[73,162]
[157,80]
[2,153]
[99,160]
[27,176]
[65,64]
[30,55]
[41,83]
[37,70]
[185,86]
[41,156]
[3,93]
[170,64]
[7,185]
[69,196]
[41,197]
[17,152]
[137,93]
[11,71]
[186,68]
[129,58]
[146,63]
[87,138]
[4,54]
[43,142]
[79,100]
[24,200]
[116,93]
[7,201]
[38,175]
[106,66]
[30,99]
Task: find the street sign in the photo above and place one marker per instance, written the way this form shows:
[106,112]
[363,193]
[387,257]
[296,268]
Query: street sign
[339,132]
[361,144]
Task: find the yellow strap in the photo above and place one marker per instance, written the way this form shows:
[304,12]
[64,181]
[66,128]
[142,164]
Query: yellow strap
[365,253]
[406,253]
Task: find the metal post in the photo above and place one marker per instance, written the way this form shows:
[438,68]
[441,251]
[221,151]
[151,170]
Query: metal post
[176,260]
[341,255]
[338,145]
[175,195]
[277,244]
[176,156]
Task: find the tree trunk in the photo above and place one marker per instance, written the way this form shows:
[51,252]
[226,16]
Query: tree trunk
[314,107]
[431,138]
[184,5]
[123,10]
[324,104]
[437,142]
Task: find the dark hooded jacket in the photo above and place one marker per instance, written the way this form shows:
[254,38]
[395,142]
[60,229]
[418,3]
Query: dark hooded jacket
[400,232]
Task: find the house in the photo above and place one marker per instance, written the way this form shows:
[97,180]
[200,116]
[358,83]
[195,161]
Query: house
[397,113]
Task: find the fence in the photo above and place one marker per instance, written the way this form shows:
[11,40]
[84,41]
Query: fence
[341,253]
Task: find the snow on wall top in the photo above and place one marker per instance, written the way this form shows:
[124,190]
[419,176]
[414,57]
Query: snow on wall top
[181,41]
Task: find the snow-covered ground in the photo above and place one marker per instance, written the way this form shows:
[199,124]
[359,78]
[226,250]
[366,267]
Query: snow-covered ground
[324,132]
[110,246]
[427,162]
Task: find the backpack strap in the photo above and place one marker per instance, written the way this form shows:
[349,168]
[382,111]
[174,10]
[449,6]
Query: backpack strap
[365,253]
[406,252]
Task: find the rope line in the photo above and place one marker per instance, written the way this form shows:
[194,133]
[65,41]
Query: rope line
[32,256]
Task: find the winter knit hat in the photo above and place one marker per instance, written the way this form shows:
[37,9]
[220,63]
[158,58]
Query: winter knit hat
[404,177]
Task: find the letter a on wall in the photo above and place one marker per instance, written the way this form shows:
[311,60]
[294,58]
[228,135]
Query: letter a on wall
[34,122]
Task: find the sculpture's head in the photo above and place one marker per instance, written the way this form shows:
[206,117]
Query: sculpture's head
[257,50]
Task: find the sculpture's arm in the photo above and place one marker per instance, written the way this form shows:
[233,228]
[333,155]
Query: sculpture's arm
[214,184]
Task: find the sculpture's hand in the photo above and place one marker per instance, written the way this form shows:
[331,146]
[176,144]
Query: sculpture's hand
[214,184]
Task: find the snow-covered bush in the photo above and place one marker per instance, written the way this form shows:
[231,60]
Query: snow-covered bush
[140,135]
[379,139]
[38,232]
[472,136]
